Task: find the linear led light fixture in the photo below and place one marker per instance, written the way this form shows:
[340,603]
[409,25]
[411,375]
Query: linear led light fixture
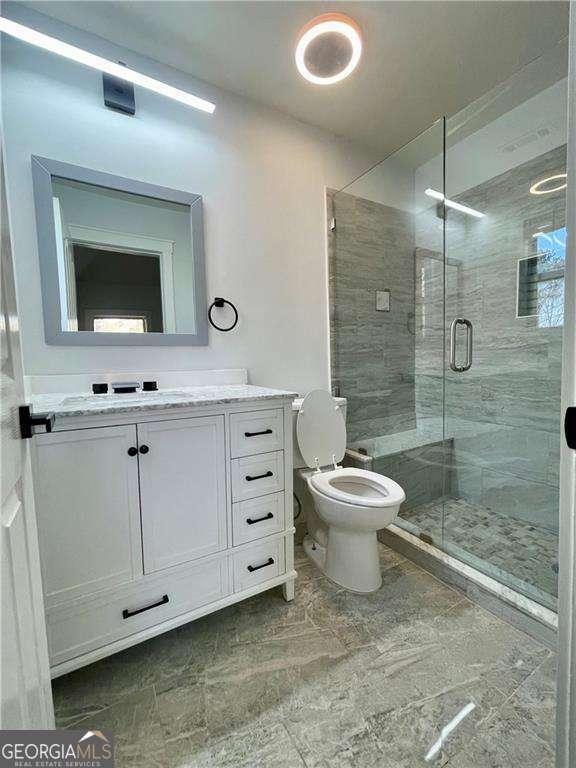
[53,45]
[452,204]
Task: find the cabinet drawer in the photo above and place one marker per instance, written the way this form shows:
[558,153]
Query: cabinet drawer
[86,625]
[257,475]
[256,432]
[258,563]
[256,518]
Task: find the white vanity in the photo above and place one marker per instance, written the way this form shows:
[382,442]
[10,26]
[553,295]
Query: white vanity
[157,508]
[153,508]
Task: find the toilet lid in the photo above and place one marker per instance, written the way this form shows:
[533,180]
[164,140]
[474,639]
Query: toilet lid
[320,429]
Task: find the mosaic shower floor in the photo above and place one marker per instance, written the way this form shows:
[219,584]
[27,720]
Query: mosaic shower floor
[515,552]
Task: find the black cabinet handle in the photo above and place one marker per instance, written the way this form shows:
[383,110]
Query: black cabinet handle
[126,614]
[259,477]
[257,434]
[269,516]
[253,568]
[144,449]
[132,451]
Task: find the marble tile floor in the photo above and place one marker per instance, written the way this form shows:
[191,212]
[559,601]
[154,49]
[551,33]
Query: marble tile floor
[516,552]
[412,675]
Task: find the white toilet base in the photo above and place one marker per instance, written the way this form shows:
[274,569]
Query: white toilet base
[350,560]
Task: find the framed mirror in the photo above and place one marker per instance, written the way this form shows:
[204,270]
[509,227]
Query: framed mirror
[121,261]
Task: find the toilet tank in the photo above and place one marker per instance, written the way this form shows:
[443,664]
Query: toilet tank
[298,460]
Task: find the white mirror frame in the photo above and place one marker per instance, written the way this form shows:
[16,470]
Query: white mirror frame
[43,171]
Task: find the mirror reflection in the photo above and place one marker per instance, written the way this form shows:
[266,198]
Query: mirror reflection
[125,261]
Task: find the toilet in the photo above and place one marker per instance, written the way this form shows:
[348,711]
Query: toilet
[352,505]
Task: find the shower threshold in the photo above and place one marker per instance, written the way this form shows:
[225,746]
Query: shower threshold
[515,552]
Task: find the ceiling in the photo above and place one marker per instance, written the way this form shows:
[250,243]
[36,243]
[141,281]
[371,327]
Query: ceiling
[421,59]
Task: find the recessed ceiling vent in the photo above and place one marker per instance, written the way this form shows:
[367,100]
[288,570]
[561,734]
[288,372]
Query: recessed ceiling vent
[327,54]
[527,138]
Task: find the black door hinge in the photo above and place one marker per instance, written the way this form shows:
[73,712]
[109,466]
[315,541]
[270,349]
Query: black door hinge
[29,420]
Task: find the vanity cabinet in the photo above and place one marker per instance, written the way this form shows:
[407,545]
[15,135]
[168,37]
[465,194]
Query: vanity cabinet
[89,522]
[182,490]
[149,524]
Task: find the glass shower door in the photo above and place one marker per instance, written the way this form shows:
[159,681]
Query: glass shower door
[386,282]
[505,229]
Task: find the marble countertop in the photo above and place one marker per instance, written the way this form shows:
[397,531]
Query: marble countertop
[85,404]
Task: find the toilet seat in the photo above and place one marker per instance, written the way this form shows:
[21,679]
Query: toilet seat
[358,487]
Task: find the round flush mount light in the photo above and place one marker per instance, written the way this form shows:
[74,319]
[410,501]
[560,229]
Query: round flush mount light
[550,184]
[329,49]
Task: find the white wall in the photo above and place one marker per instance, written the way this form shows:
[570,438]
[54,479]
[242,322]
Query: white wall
[262,176]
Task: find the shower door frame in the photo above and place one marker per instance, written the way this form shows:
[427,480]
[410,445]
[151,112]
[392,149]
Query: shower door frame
[566,684]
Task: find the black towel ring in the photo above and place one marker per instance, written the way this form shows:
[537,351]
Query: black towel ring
[219,302]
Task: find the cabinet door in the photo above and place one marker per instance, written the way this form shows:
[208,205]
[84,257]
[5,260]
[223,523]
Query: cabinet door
[88,511]
[182,490]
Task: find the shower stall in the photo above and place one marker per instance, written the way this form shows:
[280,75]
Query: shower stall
[446,282]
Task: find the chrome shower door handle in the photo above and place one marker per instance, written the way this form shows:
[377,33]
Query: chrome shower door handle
[469,344]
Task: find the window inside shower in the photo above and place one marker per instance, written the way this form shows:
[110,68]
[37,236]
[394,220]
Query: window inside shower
[454,388]
[541,278]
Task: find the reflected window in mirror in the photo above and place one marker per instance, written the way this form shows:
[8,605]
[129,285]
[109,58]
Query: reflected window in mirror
[119,323]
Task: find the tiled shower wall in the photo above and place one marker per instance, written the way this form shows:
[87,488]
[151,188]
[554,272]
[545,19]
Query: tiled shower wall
[502,415]
[372,352]
[505,412]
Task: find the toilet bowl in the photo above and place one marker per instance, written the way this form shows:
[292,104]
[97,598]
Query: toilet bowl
[354,504]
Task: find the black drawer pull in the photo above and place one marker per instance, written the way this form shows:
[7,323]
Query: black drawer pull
[132,451]
[256,434]
[269,516]
[126,614]
[259,477]
[253,568]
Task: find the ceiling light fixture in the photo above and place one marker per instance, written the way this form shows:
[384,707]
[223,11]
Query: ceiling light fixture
[541,188]
[54,45]
[452,204]
[329,49]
